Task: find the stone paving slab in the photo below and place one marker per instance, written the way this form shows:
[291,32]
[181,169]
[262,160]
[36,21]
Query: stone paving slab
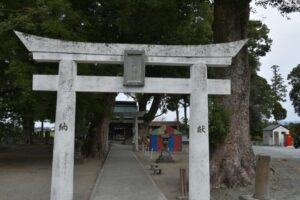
[123,178]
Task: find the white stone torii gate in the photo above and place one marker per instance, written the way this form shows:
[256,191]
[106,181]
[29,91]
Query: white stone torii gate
[67,83]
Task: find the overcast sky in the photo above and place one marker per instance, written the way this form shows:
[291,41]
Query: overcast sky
[285,48]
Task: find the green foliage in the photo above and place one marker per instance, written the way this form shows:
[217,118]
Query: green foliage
[261,95]
[259,32]
[173,102]
[264,98]
[294,81]
[279,91]
[18,102]
[278,86]
[259,43]
[283,6]
[278,112]
[261,104]
[130,21]
[219,123]
[151,21]
[294,129]
[185,129]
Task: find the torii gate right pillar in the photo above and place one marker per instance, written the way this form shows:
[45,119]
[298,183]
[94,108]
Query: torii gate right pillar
[199,178]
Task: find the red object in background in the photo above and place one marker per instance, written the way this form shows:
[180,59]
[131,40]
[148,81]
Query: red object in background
[160,145]
[288,140]
[169,130]
[177,143]
[175,139]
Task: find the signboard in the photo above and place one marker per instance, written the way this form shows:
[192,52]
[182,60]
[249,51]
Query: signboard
[134,68]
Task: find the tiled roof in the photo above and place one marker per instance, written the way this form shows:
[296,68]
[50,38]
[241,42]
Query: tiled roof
[125,107]
[272,127]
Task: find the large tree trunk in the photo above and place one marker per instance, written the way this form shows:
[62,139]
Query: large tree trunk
[177,119]
[232,164]
[104,131]
[28,127]
[96,142]
[185,105]
[42,129]
[89,148]
[143,128]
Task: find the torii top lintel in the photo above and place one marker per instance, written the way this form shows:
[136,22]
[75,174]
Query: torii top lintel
[53,50]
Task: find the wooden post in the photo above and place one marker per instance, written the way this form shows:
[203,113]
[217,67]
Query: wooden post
[261,180]
[63,152]
[183,184]
[199,182]
[262,177]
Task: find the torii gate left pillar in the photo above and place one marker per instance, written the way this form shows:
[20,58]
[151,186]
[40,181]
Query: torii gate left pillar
[63,151]
[67,83]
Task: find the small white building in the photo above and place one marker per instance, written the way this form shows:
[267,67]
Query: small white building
[275,135]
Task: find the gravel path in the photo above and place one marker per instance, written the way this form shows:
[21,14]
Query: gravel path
[123,178]
[285,183]
[278,152]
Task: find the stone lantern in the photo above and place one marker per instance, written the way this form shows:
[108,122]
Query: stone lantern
[165,155]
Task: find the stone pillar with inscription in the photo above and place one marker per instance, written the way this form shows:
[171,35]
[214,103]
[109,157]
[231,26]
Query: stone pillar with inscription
[63,152]
[199,182]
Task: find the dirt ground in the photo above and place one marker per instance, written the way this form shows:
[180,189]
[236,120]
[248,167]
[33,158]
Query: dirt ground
[285,183]
[25,173]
